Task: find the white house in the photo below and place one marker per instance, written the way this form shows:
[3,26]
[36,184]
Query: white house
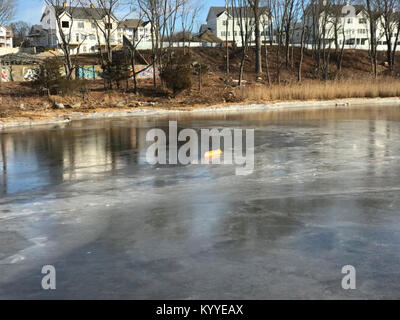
[6,37]
[226,23]
[135,30]
[81,26]
[84,28]
[352,26]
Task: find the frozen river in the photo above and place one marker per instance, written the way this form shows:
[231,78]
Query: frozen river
[325,193]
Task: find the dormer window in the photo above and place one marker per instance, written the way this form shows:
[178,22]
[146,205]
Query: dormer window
[108,26]
[65,24]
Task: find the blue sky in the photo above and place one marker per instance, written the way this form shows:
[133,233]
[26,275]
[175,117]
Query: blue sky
[31,10]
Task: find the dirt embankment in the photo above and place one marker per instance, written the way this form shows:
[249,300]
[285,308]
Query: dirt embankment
[19,101]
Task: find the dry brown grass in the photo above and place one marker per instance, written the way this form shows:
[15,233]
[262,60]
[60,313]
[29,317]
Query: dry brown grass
[317,90]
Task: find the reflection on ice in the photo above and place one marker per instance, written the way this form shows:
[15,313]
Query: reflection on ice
[324,193]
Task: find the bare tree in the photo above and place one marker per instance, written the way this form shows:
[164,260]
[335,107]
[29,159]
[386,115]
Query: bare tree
[267,32]
[256,9]
[242,12]
[131,46]
[304,34]
[389,20]
[7,11]
[102,13]
[288,26]
[64,35]
[322,18]
[371,9]
[279,13]
[20,31]
[162,15]
[226,35]
[339,34]
[189,12]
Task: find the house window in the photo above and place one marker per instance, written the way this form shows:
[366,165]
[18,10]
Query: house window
[223,33]
[224,22]
[65,24]
[362,21]
[349,20]
[81,25]
[48,21]
[93,26]
[77,37]
[92,37]
[108,26]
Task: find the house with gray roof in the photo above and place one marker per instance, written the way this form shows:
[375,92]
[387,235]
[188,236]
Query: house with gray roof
[230,23]
[135,30]
[83,28]
[351,23]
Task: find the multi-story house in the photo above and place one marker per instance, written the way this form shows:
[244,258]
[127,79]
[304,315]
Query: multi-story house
[6,37]
[39,37]
[338,25]
[81,26]
[135,30]
[229,24]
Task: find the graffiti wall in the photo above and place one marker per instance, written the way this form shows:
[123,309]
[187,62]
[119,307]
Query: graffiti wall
[29,72]
[95,72]
[18,73]
[89,72]
[147,73]
[5,74]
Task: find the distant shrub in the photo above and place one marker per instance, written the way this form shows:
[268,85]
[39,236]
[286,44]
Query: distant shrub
[50,79]
[177,73]
[116,72]
[49,75]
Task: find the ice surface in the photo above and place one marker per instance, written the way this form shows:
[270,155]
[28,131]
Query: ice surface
[324,194]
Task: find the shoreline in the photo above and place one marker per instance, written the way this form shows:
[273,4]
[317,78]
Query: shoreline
[67,117]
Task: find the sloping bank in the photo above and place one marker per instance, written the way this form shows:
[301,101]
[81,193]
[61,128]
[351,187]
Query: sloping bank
[67,117]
